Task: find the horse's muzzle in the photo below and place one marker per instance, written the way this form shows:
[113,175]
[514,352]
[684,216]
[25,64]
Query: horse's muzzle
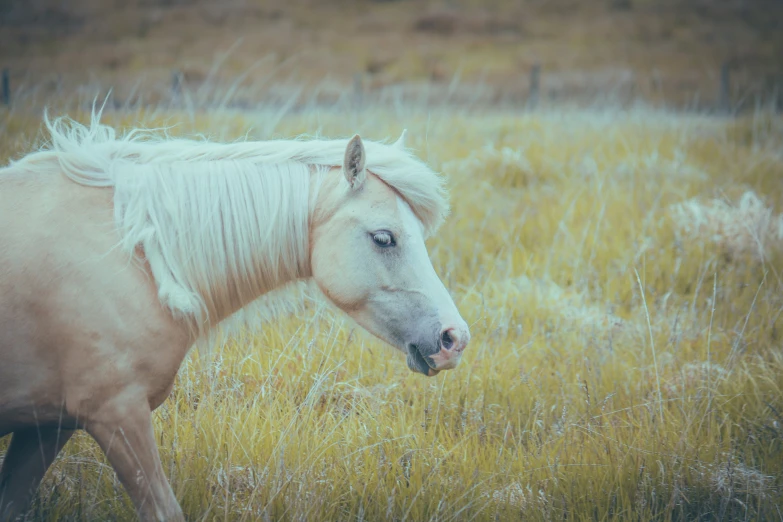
[446,354]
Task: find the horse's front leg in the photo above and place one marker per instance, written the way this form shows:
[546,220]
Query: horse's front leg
[123,429]
[29,455]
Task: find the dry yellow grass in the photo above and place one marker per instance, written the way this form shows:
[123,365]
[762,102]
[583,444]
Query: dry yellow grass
[626,362]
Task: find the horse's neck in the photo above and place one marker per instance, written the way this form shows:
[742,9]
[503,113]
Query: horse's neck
[217,235]
[283,256]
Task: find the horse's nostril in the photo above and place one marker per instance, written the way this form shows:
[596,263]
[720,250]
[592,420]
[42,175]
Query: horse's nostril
[446,340]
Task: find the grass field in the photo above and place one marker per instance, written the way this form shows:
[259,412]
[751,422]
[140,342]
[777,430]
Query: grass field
[665,51]
[621,273]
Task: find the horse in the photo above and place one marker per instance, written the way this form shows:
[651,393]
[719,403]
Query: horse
[118,253]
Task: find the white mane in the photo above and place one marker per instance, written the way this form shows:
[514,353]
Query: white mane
[219,223]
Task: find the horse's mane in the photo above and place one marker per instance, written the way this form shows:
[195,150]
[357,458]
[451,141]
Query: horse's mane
[87,150]
[220,221]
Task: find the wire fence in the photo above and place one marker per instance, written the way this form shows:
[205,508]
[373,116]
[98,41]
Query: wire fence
[733,91]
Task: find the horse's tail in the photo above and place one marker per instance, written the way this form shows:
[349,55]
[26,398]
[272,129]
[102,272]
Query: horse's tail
[82,151]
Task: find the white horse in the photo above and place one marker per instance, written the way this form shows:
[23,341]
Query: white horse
[118,254]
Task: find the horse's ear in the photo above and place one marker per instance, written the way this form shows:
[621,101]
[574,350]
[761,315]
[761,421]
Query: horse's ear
[400,143]
[353,165]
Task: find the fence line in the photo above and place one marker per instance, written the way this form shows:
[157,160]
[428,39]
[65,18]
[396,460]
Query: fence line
[731,95]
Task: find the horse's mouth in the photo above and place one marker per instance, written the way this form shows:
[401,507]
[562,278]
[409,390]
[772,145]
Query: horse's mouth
[418,363]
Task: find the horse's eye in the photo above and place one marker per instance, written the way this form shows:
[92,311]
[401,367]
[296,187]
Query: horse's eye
[383,239]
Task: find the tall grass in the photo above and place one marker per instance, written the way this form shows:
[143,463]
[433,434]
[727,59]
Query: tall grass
[620,271]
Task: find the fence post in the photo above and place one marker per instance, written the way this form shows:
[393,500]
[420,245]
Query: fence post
[6,80]
[724,101]
[176,82]
[535,84]
[358,90]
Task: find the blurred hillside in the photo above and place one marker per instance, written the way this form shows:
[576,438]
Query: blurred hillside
[469,51]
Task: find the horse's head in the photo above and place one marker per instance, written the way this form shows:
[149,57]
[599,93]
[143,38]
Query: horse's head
[369,258]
